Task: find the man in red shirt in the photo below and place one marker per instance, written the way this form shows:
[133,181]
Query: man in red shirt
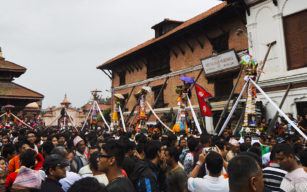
[22,147]
[27,159]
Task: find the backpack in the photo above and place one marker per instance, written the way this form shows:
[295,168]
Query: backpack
[79,162]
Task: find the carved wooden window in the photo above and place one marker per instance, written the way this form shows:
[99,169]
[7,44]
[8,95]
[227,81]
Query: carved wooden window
[223,87]
[295,30]
[160,102]
[220,43]
[158,64]
[122,78]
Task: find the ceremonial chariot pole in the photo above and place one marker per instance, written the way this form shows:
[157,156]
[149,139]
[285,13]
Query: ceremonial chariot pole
[142,118]
[250,118]
[93,112]
[9,113]
[117,110]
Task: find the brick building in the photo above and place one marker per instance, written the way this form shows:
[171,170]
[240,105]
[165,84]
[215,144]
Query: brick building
[177,49]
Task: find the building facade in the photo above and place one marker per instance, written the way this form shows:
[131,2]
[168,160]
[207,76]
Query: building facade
[54,116]
[177,49]
[283,21]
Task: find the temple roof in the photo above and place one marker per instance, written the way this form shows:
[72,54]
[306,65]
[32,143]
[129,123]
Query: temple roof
[65,101]
[32,105]
[12,90]
[10,66]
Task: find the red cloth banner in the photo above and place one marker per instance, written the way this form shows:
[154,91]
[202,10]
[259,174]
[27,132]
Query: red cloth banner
[201,95]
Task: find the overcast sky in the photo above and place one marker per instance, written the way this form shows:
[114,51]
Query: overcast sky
[61,42]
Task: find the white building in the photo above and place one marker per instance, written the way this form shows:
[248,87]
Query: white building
[283,21]
[53,116]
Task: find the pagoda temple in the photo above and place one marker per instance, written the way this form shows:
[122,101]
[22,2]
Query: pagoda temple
[12,93]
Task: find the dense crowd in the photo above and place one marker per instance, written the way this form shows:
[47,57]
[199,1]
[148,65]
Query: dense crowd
[70,160]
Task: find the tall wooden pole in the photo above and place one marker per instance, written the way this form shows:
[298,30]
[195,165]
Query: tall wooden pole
[228,101]
[157,98]
[265,58]
[128,98]
[272,123]
[133,109]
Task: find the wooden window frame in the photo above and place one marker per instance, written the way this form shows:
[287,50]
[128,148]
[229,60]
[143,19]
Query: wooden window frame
[289,66]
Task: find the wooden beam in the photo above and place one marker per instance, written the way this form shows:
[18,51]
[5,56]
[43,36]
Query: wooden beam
[137,66]
[265,58]
[209,39]
[174,52]
[186,41]
[173,44]
[202,69]
[228,101]
[106,74]
[128,98]
[199,42]
[133,109]
[169,47]
[109,72]
[157,98]
[176,44]
[129,68]
[272,123]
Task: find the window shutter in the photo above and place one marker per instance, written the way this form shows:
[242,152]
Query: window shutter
[295,30]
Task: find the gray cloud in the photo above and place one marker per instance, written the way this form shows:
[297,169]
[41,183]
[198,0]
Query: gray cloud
[61,42]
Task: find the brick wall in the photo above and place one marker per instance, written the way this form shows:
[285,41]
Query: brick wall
[183,61]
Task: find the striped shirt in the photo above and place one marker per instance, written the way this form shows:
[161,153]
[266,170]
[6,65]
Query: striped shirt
[272,177]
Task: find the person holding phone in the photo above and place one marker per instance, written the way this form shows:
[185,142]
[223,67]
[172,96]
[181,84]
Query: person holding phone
[213,181]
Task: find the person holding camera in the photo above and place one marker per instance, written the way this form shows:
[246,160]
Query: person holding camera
[213,181]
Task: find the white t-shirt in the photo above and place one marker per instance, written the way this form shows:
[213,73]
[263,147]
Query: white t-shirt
[85,171]
[295,181]
[208,184]
[102,178]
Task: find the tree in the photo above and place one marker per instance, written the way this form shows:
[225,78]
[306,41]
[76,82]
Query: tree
[106,114]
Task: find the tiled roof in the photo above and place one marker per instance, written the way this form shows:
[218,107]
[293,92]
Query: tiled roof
[10,66]
[180,27]
[13,90]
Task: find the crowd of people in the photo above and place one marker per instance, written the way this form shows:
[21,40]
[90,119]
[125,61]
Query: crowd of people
[53,159]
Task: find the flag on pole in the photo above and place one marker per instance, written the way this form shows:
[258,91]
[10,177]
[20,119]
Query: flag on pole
[201,95]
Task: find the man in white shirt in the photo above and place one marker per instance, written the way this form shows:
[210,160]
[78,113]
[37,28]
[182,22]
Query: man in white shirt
[214,181]
[296,178]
